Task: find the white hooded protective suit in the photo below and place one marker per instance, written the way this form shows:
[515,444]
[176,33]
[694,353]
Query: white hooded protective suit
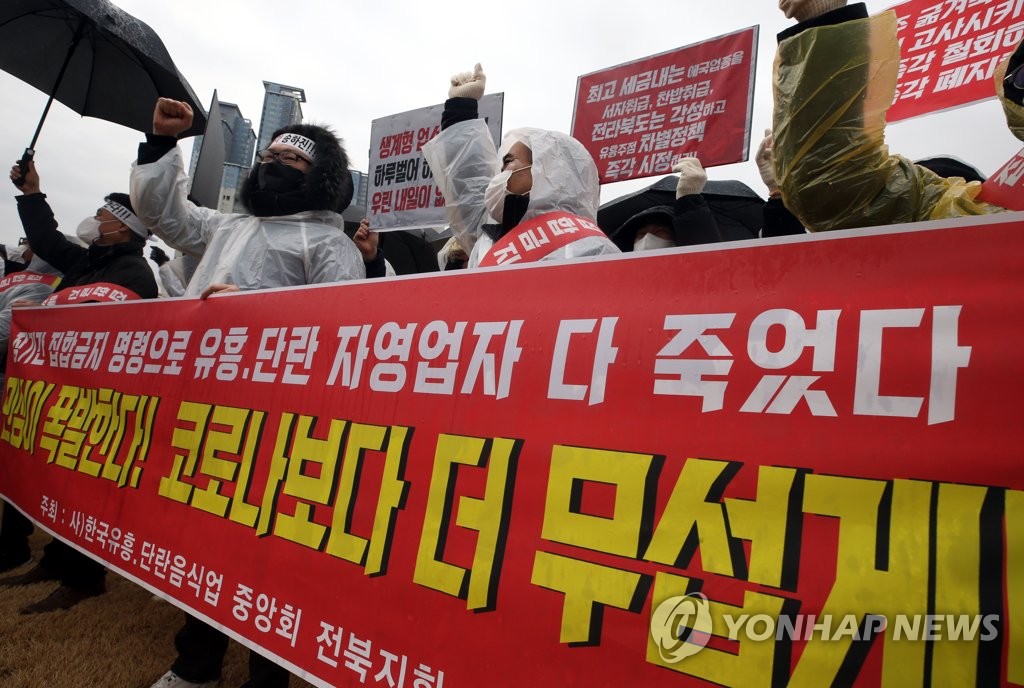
[463,160]
[248,251]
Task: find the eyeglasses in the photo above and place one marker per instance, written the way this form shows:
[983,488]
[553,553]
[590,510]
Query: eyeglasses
[286,157]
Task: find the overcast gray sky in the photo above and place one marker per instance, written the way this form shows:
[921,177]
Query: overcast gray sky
[361,61]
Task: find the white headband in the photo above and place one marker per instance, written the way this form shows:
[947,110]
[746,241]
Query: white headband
[127,217]
[299,142]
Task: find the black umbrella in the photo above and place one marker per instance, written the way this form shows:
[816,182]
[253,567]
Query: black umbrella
[95,58]
[736,207]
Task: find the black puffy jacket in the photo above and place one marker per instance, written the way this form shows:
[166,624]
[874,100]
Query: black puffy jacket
[120,264]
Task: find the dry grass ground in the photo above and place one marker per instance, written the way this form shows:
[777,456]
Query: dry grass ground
[122,639]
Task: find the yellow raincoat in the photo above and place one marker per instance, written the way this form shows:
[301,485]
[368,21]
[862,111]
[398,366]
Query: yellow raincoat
[833,87]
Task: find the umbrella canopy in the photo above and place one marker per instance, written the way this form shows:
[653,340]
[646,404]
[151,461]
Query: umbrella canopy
[736,207]
[95,58]
[738,210]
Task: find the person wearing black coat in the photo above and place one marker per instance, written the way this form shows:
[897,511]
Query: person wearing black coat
[114,254]
[114,257]
[408,252]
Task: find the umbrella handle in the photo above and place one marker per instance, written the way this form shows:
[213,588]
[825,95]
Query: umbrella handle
[26,157]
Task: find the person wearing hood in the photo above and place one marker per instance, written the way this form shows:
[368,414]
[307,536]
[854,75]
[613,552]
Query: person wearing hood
[31,280]
[492,196]
[688,222]
[835,78]
[295,235]
[296,192]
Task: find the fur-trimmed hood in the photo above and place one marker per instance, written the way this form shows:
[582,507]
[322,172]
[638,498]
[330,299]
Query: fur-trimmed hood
[328,185]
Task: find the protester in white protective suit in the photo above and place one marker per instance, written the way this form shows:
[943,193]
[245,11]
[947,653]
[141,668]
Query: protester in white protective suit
[295,192]
[295,236]
[492,194]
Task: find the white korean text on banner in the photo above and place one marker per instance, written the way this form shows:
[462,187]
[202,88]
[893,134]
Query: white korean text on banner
[793,462]
[949,50]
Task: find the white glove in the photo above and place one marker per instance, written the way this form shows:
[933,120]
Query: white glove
[468,84]
[765,166]
[692,177]
[802,10]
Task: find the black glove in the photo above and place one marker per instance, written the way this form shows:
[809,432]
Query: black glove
[157,255]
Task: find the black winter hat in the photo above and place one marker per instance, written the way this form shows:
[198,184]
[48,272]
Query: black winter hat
[624,236]
[121,199]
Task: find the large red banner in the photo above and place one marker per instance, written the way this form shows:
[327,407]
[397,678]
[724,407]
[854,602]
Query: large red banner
[949,50]
[795,461]
[638,119]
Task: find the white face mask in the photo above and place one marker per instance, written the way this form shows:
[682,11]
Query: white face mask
[497,190]
[16,254]
[88,230]
[650,242]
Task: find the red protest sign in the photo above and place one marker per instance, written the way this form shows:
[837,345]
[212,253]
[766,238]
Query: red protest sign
[1006,187]
[949,51]
[776,450]
[637,119]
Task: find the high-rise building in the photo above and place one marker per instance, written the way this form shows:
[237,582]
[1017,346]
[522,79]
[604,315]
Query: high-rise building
[359,187]
[239,147]
[281,107]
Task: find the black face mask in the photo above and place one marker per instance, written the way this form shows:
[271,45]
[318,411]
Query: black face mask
[280,178]
[275,189]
